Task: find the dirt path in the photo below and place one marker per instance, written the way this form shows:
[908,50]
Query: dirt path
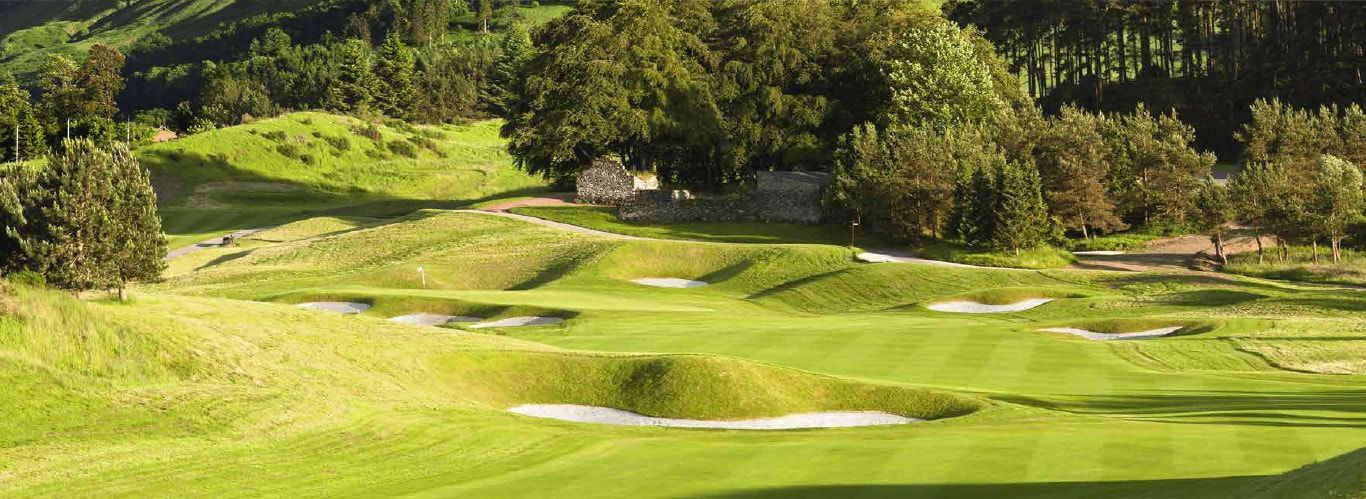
[557,200]
[213,243]
[1180,253]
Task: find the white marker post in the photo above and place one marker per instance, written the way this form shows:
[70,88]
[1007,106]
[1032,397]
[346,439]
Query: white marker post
[423,274]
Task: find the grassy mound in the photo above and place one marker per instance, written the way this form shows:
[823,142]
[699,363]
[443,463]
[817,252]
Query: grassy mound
[1342,477]
[605,219]
[680,386]
[386,306]
[1133,325]
[1007,296]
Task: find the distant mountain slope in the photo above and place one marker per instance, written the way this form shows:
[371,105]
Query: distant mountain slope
[31,29]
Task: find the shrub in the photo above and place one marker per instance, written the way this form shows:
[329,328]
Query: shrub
[289,150]
[338,142]
[369,131]
[307,121]
[28,278]
[308,159]
[403,148]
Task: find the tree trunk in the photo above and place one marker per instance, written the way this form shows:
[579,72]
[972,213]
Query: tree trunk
[123,292]
[1261,256]
[1219,248]
[1314,243]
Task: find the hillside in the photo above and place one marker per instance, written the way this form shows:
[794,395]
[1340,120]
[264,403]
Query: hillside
[275,170]
[30,30]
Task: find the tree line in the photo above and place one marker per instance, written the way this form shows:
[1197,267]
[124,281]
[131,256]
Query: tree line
[925,129]
[1210,60]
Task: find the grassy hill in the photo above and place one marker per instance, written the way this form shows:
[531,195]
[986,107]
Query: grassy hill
[280,169]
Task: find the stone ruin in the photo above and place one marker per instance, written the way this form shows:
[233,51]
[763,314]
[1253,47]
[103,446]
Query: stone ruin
[608,182]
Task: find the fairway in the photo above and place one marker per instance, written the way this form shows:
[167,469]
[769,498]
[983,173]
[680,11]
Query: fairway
[235,391]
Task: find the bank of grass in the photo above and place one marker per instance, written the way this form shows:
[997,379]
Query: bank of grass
[1127,241]
[605,219]
[683,386]
[1300,266]
[1042,257]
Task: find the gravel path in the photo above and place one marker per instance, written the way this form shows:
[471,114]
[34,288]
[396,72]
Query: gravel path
[669,282]
[432,319]
[519,322]
[216,242]
[607,415]
[972,307]
[1092,335]
[341,307]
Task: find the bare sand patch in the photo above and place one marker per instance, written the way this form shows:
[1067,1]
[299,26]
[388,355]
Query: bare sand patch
[519,322]
[341,307]
[432,320]
[607,415]
[972,307]
[1092,335]
[669,282]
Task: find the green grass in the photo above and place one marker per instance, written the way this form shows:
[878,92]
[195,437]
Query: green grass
[212,183]
[212,383]
[1126,241]
[1300,266]
[605,219]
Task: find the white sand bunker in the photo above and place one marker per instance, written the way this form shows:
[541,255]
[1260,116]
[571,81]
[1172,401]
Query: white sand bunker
[1092,335]
[607,415]
[341,307]
[1098,253]
[432,319]
[972,307]
[669,282]
[519,322]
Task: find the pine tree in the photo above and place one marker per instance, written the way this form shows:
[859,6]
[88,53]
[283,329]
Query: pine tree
[1072,165]
[90,219]
[1021,217]
[356,82]
[394,73]
[1214,211]
[1338,201]
[517,49]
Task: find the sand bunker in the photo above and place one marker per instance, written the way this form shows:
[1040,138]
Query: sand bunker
[1098,253]
[432,319]
[1092,335]
[519,322]
[669,282]
[972,307]
[607,415]
[341,307]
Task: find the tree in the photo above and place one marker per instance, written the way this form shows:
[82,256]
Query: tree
[1154,169]
[517,49]
[1072,164]
[484,12]
[1338,201]
[356,82]
[1257,191]
[938,79]
[21,134]
[1214,211]
[60,96]
[100,80]
[394,75]
[1021,216]
[90,219]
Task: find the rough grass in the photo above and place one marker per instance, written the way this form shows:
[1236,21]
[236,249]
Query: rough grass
[1300,266]
[1043,257]
[1113,242]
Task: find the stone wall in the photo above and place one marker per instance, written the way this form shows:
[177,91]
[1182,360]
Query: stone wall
[606,182]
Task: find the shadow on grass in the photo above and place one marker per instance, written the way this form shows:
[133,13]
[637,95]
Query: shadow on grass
[1221,407]
[222,260]
[1184,488]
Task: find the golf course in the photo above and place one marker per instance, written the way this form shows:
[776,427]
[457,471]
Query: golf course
[666,249]
[215,382]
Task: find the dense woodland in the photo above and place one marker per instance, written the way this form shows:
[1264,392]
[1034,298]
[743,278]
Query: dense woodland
[1209,60]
